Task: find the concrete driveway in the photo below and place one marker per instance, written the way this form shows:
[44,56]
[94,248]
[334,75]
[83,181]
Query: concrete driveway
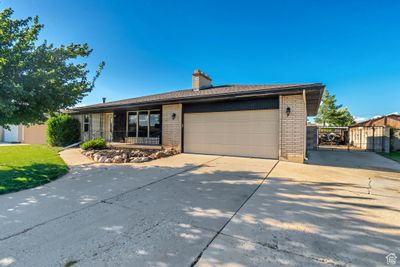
[208,211]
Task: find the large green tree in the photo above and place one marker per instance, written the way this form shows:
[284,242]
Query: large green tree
[331,114]
[38,78]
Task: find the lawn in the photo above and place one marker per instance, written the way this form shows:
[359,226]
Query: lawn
[27,166]
[395,155]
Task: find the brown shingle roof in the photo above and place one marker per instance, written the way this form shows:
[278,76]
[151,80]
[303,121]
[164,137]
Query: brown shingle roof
[223,90]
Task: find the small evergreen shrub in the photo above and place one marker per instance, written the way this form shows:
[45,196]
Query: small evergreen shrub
[98,143]
[63,130]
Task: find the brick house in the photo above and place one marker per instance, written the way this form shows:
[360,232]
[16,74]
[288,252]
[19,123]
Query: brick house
[266,121]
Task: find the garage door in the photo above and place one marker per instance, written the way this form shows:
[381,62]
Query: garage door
[252,133]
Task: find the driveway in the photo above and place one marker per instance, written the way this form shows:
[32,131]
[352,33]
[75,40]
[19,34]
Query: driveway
[207,211]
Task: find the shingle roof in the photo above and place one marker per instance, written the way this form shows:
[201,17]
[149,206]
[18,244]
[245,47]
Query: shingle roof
[370,122]
[223,90]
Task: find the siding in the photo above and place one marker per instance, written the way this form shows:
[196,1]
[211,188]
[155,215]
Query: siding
[251,104]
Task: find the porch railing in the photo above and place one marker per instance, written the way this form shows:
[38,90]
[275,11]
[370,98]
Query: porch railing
[119,136]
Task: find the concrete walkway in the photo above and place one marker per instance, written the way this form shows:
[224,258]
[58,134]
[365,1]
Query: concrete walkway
[73,157]
[207,211]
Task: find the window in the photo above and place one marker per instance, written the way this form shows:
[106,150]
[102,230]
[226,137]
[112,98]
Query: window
[132,122]
[143,124]
[86,121]
[155,125]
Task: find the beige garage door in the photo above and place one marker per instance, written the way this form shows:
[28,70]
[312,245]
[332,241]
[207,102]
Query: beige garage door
[236,133]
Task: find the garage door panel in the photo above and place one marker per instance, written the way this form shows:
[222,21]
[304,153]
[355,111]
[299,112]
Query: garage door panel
[242,139]
[237,133]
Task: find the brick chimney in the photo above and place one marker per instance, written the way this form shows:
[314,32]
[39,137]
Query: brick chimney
[200,80]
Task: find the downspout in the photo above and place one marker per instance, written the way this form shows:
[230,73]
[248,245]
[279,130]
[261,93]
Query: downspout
[305,126]
[280,128]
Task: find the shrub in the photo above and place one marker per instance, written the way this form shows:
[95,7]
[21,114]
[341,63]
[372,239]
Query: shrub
[63,130]
[98,143]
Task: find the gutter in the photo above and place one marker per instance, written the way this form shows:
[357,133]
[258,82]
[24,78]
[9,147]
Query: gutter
[194,99]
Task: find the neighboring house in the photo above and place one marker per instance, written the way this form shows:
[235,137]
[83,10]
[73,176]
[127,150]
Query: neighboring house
[379,126]
[392,120]
[35,134]
[266,121]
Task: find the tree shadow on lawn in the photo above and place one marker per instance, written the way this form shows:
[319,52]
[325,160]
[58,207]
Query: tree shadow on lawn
[13,178]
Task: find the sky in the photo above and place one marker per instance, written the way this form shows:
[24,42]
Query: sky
[353,47]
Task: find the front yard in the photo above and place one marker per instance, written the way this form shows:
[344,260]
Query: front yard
[27,166]
[395,155]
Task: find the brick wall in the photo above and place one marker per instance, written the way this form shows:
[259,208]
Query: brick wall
[292,128]
[172,128]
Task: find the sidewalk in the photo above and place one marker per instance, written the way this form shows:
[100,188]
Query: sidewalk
[74,157]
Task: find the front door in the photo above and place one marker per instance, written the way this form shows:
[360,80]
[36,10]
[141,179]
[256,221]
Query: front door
[108,126]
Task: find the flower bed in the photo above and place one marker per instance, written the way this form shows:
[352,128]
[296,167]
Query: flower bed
[128,155]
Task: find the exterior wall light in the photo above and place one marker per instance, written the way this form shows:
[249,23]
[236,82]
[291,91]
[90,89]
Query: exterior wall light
[288,111]
[173,116]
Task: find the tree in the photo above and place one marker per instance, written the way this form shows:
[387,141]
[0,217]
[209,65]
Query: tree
[331,114]
[38,79]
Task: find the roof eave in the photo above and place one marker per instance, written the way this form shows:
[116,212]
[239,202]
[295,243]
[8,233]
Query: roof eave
[312,105]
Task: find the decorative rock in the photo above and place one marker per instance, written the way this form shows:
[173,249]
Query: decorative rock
[128,155]
[161,154]
[135,160]
[144,159]
[96,157]
[117,159]
[102,159]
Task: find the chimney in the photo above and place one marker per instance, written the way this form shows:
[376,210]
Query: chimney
[200,80]
[104,100]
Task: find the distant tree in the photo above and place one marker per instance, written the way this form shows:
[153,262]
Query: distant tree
[331,114]
[38,79]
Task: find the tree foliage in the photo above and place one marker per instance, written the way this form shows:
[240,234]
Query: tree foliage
[38,79]
[331,114]
[63,130]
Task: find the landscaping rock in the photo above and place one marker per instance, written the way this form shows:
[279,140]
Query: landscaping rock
[111,155]
[102,159]
[118,159]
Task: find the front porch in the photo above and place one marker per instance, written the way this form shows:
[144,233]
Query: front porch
[124,128]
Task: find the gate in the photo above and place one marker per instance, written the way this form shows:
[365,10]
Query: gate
[366,138]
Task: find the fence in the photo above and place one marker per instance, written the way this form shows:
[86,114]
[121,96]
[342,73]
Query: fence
[374,138]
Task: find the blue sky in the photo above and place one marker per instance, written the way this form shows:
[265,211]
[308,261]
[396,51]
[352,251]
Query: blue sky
[153,46]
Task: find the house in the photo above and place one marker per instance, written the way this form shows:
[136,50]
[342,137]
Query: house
[266,121]
[377,130]
[34,134]
[391,120]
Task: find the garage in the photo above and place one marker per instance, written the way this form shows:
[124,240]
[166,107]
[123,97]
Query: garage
[249,133]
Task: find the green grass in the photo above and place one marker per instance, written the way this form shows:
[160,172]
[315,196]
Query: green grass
[395,155]
[27,166]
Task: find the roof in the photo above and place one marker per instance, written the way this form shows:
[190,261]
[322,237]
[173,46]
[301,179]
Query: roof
[314,94]
[371,121]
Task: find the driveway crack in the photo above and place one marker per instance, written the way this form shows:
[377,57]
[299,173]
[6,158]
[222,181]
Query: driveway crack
[196,260]
[275,246]
[107,200]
